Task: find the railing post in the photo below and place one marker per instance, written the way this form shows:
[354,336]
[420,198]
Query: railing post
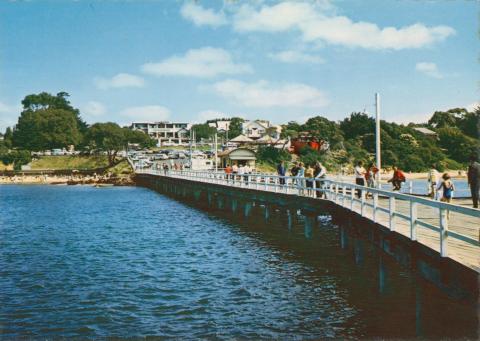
[413,220]
[362,203]
[352,198]
[336,193]
[276,185]
[391,213]
[375,205]
[314,186]
[344,193]
[265,181]
[443,232]
[410,187]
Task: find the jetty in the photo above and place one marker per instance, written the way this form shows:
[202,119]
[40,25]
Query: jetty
[440,240]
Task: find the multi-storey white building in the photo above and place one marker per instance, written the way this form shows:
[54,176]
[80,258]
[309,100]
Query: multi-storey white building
[166,133]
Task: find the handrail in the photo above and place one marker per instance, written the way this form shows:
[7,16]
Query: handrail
[339,192]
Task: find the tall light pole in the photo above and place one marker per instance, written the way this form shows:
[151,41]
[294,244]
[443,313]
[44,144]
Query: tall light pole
[216,152]
[377,138]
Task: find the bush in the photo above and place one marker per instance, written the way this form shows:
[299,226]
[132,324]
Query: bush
[271,155]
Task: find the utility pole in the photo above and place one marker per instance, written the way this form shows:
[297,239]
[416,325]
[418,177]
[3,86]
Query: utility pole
[377,139]
[191,142]
[216,152]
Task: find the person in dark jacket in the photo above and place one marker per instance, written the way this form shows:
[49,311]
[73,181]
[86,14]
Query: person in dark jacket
[474,179]
[281,172]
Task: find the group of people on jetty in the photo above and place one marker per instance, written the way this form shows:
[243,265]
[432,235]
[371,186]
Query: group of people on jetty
[309,176]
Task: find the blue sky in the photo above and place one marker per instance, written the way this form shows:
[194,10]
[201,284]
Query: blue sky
[127,61]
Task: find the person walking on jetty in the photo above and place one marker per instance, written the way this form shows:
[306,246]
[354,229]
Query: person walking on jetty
[281,171]
[432,182]
[309,179]
[228,171]
[371,175]
[359,176]
[294,172]
[474,179]
[300,177]
[319,172]
[397,179]
[447,187]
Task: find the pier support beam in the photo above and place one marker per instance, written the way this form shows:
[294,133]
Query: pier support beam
[310,221]
[234,205]
[247,209]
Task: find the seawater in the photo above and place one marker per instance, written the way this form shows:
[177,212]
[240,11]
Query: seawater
[79,261]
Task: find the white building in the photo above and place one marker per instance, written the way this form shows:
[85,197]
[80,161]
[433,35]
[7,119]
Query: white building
[166,133]
[259,128]
[221,126]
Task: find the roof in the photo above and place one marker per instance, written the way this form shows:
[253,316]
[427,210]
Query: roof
[265,138]
[425,131]
[238,154]
[241,138]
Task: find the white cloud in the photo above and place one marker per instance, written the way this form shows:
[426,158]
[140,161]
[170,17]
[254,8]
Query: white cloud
[149,113]
[429,69]
[291,56]
[204,62]
[201,16]
[263,94]
[316,25]
[121,80]
[94,108]
[206,115]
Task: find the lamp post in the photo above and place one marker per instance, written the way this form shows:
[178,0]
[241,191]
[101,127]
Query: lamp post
[377,139]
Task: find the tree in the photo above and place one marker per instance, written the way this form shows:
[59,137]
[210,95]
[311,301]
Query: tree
[138,137]
[235,127]
[46,128]
[45,100]
[442,119]
[8,137]
[324,129]
[459,146]
[107,137]
[469,123]
[203,131]
[16,157]
[357,124]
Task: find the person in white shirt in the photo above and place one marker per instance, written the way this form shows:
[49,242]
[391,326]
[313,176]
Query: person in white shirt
[432,182]
[360,176]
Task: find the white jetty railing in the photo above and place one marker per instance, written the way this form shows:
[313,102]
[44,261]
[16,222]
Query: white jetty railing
[364,200]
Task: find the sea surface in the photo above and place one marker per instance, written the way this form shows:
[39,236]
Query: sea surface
[85,262]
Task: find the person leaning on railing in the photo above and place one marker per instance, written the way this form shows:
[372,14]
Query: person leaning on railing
[474,179]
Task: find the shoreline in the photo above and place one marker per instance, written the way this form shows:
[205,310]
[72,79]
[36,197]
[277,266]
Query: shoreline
[66,180]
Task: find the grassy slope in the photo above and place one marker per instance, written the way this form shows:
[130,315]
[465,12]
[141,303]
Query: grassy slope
[70,162]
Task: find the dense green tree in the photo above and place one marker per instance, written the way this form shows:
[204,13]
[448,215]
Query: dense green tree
[203,131]
[45,100]
[8,137]
[469,123]
[46,128]
[272,155]
[138,137]
[16,157]
[459,147]
[107,137]
[235,128]
[324,129]
[442,119]
[357,124]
